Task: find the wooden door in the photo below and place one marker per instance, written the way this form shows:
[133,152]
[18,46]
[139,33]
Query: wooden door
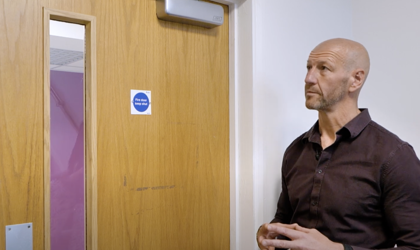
[163,179]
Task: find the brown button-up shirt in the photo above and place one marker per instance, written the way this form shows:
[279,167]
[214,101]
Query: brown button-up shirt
[363,190]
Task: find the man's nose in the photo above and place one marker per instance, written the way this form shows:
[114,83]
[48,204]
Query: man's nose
[310,77]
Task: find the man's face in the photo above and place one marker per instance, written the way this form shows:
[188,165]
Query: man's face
[326,81]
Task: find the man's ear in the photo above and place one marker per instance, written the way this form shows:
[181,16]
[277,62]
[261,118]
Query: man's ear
[358,80]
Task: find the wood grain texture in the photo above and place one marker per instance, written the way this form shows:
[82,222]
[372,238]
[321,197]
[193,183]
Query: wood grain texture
[91,140]
[21,117]
[47,129]
[22,113]
[163,180]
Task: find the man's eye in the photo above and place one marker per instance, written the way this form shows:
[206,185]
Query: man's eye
[324,68]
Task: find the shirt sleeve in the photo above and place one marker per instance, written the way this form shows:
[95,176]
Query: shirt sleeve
[400,183]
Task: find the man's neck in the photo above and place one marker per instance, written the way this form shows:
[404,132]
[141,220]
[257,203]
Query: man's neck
[332,121]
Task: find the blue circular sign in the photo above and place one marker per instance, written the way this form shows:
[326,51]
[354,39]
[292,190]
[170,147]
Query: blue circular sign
[141,102]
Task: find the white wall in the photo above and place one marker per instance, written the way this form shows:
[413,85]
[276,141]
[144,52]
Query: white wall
[391,33]
[272,41]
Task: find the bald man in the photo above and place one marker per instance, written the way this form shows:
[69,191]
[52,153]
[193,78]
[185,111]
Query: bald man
[347,183]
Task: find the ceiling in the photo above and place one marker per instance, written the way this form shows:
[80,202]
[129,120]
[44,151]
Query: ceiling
[67,47]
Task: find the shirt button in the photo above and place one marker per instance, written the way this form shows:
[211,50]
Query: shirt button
[314,203]
[319,171]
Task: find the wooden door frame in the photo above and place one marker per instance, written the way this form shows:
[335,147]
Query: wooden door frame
[90,123]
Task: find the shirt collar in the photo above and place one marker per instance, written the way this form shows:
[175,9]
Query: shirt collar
[352,128]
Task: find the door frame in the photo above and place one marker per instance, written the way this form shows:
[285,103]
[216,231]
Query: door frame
[246,179]
[90,114]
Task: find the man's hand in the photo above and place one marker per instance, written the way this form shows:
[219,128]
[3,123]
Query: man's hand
[265,233]
[300,238]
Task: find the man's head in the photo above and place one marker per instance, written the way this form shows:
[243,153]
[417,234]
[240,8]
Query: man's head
[337,70]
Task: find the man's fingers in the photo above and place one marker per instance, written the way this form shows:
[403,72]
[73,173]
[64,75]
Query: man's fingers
[267,233]
[261,238]
[302,229]
[291,226]
[278,243]
[286,231]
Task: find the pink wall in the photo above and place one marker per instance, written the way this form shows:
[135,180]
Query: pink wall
[67,161]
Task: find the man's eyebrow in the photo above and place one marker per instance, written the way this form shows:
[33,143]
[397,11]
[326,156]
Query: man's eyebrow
[317,62]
